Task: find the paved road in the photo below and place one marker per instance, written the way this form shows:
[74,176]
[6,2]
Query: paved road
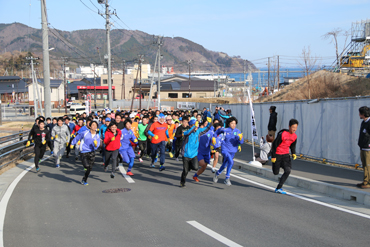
[51,208]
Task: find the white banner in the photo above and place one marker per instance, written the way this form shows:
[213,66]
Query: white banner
[253,120]
[186,105]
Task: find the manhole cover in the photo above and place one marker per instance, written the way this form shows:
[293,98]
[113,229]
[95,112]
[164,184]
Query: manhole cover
[119,190]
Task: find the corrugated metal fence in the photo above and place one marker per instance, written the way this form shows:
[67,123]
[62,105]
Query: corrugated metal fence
[328,129]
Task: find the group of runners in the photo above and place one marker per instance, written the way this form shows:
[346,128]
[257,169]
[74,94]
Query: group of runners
[124,136]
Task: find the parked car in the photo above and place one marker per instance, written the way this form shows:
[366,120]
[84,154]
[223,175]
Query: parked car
[72,104]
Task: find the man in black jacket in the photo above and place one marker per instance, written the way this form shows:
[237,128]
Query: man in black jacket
[364,144]
[272,122]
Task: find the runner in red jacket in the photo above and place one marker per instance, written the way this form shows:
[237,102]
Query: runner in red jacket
[112,145]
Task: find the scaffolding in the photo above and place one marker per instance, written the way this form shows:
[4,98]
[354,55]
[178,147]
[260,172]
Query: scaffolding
[360,31]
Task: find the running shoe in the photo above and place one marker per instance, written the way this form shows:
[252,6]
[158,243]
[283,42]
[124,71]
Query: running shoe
[57,166]
[177,159]
[112,175]
[138,153]
[215,178]
[171,155]
[182,185]
[117,168]
[83,182]
[37,169]
[280,191]
[152,165]
[227,182]
[85,169]
[129,173]
[196,179]
[105,168]
[213,170]
[162,168]
[140,160]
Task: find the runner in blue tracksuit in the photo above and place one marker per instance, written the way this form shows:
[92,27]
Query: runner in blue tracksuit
[204,152]
[233,138]
[190,147]
[102,130]
[89,143]
[216,144]
[126,150]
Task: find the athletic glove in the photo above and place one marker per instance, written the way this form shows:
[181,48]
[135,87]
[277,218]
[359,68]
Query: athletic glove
[97,130]
[96,142]
[79,142]
[156,137]
[67,144]
[239,149]
[72,135]
[240,137]
[44,142]
[52,138]
[113,138]
[28,144]
[196,124]
[212,148]
[213,141]
[72,146]
[294,157]
[209,120]
[67,138]
[135,140]
[273,160]
[56,136]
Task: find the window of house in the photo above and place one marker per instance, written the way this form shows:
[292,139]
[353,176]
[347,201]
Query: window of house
[105,81]
[173,95]
[186,95]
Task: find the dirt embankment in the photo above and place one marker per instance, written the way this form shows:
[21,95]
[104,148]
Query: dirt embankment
[322,84]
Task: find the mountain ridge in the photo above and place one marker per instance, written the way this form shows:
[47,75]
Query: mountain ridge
[81,48]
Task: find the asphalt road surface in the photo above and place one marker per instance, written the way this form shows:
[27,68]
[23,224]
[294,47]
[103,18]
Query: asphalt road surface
[52,208]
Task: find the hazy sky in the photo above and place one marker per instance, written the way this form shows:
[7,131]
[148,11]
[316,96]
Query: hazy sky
[251,29]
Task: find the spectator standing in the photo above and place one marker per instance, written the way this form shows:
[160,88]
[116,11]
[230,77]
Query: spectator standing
[364,144]
[272,122]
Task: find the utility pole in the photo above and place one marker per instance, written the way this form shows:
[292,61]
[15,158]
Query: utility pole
[107,27]
[45,53]
[65,83]
[159,43]
[123,90]
[278,72]
[189,66]
[94,88]
[268,77]
[152,81]
[133,92]
[244,82]
[33,82]
[141,60]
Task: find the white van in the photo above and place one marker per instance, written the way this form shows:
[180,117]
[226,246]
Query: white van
[77,109]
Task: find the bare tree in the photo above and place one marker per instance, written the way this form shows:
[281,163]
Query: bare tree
[333,36]
[308,63]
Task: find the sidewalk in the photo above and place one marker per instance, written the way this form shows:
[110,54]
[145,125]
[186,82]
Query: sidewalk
[331,180]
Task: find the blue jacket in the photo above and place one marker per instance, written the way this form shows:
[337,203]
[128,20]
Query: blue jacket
[207,114]
[219,138]
[126,137]
[217,116]
[103,128]
[71,126]
[231,140]
[190,145]
[224,116]
[205,142]
[87,141]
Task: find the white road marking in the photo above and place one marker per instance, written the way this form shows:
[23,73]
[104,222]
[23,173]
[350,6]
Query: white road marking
[303,198]
[4,201]
[123,171]
[213,234]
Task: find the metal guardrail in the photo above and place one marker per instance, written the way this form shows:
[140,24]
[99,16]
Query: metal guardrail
[18,146]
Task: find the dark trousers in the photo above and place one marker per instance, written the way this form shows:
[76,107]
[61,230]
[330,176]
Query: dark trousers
[161,148]
[142,147]
[69,146]
[282,161]
[88,162]
[177,149]
[188,164]
[51,145]
[39,153]
[148,147]
[114,156]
